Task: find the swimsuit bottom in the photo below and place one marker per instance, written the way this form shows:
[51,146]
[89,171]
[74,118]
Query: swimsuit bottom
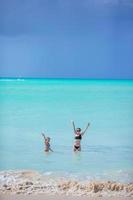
[76,147]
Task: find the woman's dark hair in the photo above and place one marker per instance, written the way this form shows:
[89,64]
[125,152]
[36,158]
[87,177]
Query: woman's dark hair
[78,129]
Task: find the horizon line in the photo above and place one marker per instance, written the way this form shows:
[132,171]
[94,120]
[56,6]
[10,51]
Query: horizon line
[64,78]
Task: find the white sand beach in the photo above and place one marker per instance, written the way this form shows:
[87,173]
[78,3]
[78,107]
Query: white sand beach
[33,185]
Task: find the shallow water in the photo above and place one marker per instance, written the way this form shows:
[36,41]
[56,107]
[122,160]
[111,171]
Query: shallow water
[28,106]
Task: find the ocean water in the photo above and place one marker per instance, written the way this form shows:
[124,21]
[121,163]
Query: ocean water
[30,106]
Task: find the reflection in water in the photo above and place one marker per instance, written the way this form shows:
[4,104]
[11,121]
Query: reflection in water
[77,157]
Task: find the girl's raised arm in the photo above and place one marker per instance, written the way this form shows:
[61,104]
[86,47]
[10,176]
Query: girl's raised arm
[44,136]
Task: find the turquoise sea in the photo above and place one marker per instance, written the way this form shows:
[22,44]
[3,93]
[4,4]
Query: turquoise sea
[30,106]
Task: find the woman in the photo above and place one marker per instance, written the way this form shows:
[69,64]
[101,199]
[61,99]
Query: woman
[78,136]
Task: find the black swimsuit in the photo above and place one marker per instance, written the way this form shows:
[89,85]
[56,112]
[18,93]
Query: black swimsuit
[76,147]
[78,137]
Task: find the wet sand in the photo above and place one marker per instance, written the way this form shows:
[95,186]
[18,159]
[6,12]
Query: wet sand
[58,197]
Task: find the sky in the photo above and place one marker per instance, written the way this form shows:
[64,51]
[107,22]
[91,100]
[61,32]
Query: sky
[66,39]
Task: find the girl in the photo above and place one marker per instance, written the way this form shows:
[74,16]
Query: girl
[47,143]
